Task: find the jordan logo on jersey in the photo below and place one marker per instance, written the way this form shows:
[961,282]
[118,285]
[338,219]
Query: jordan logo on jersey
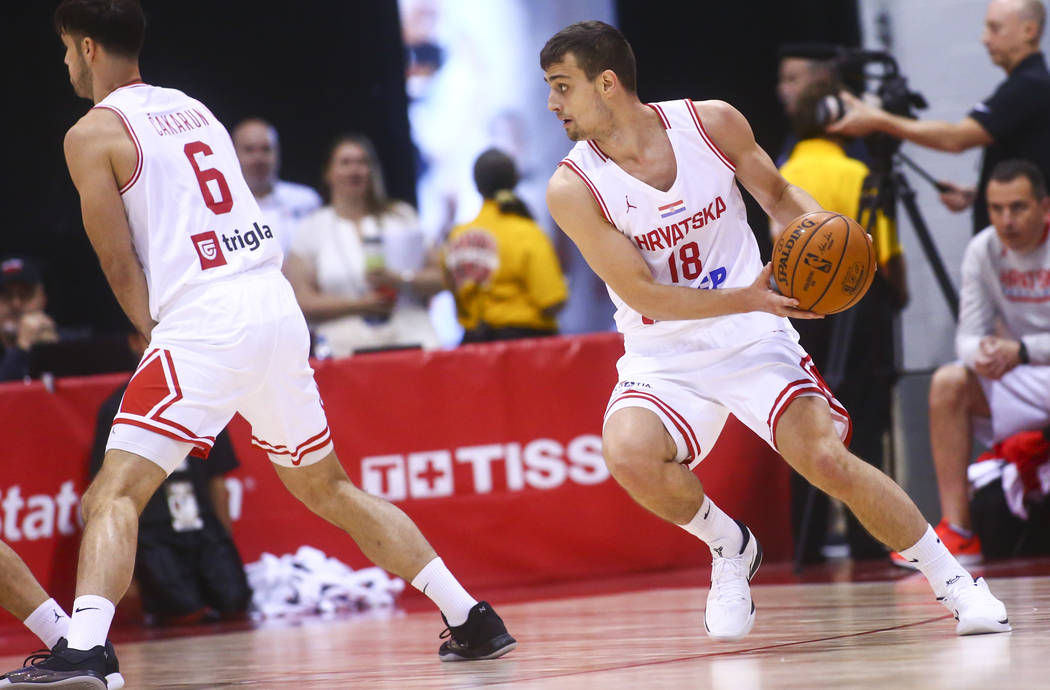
[208,250]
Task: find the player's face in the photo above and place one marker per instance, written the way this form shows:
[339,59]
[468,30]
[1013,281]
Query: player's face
[257,152]
[1019,218]
[79,74]
[349,171]
[575,100]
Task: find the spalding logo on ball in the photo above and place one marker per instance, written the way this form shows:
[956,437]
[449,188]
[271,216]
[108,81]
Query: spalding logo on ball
[824,260]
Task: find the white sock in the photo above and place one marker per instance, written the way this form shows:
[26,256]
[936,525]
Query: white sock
[89,625]
[48,622]
[713,527]
[935,561]
[438,583]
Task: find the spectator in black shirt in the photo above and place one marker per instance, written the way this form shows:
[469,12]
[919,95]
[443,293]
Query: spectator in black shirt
[186,565]
[23,322]
[1014,122]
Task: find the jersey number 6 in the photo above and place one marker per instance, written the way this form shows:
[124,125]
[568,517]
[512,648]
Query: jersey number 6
[224,201]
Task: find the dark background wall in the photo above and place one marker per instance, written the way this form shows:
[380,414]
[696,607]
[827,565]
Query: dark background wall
[318,68]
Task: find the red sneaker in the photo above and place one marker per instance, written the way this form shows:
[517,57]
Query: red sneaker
[967,550]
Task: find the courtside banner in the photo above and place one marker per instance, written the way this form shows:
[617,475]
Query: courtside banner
[494,450]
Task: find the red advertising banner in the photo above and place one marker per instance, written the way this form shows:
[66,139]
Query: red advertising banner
[494,451]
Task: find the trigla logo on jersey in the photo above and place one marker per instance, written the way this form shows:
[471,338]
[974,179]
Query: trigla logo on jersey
[210,252]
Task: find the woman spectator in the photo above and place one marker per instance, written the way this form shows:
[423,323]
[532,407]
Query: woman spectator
[502,266]
[359,265]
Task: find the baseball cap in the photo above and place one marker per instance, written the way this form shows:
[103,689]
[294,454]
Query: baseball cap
[17,269]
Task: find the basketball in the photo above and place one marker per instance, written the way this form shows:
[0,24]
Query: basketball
[824,260]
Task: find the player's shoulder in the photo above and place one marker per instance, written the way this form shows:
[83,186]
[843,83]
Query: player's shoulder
[96,126]
[715,112]
[565,185]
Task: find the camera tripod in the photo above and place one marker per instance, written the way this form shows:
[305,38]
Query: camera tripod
[884,187]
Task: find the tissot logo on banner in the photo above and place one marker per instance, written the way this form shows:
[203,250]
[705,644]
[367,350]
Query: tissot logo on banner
[539,464]
[208,250]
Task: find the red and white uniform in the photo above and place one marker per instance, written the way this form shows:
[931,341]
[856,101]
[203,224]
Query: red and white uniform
[693,373]
[230,336]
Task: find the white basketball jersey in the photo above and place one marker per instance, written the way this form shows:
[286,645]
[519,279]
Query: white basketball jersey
[693,235]
[193,219]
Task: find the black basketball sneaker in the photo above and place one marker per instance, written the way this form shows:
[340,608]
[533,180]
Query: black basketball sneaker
[69,669]
[482,636]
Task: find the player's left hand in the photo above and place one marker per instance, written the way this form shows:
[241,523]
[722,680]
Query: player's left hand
[860,119]
[763,296]
[996,356]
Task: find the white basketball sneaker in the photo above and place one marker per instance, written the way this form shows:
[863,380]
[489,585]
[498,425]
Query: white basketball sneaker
[730,612]
[975,607]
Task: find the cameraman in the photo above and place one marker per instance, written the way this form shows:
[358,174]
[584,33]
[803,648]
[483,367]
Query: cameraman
[801,66]
[820,165]
[1014,122]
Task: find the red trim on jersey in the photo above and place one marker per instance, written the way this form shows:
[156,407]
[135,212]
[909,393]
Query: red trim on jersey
[691,443]
[571,165]
[138,147]
[201,448]
[132,83]
[707,138]
[598,150]
[659,111]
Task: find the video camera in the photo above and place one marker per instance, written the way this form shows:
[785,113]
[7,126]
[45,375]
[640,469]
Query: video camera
[873,76]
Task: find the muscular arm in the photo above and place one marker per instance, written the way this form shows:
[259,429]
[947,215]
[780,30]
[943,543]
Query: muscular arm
[97,150]
[616,261]
[782,201]
[862,119]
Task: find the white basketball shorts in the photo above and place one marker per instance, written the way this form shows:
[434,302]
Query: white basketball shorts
[1019,401]
[239,345]
[694,392]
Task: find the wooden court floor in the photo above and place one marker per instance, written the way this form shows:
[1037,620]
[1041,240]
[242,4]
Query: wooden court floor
[882,634]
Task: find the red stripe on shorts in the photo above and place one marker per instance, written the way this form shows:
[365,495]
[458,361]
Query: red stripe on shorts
[679,422]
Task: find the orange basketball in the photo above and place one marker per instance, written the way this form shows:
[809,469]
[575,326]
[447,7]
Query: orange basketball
[824,260]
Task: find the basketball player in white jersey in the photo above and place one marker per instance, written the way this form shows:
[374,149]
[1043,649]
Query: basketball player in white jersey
[649,194]
[184,247]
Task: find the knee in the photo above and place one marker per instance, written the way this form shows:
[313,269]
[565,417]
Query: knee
[829,468]
[950,386]
[631,452]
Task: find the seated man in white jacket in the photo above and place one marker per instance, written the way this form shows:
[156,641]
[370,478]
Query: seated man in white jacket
[1001,385]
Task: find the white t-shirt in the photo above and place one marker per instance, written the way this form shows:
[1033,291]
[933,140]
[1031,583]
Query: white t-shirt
[332,246]
[286,206]
[1000,284]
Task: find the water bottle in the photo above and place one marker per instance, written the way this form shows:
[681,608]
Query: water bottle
[375,260]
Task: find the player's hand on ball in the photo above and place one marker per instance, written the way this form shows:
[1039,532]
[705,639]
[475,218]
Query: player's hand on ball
[767,298]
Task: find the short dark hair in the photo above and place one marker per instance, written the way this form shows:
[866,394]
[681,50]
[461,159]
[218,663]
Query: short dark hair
[119,26]
[1010,170]
[597,47]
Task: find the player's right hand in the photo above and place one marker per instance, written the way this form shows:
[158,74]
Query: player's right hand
[763,296]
